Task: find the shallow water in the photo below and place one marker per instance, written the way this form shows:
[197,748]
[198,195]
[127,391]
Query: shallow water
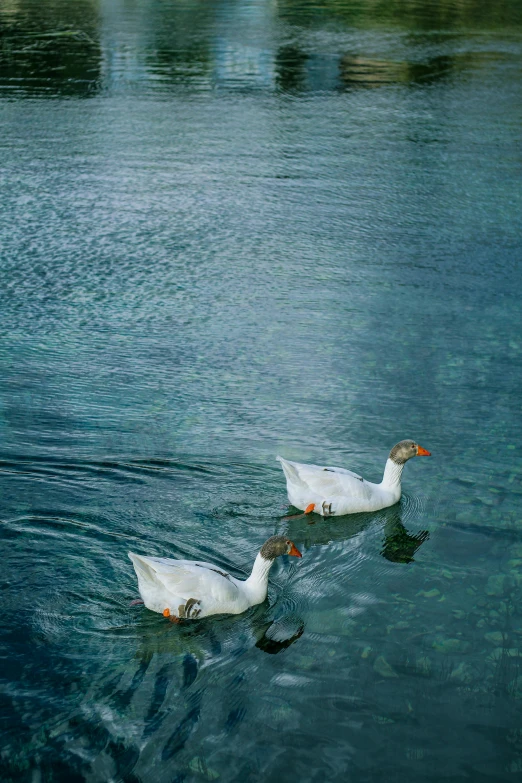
[231,230]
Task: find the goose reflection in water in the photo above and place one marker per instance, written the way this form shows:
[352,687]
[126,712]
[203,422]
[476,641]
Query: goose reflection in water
[279,634]
[399,545]
[187,665]
[220,636]
[176,677]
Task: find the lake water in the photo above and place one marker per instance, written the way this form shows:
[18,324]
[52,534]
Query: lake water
[229,230]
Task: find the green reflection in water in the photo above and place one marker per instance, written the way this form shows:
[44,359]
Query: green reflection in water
[82,49]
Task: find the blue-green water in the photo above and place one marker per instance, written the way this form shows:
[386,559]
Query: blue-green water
[230,230]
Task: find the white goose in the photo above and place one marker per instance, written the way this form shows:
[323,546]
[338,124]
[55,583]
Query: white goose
[191,589]
[337,491]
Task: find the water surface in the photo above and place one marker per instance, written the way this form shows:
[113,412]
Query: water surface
[231,230]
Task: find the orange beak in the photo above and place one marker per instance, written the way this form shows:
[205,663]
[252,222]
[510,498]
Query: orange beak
[295,552]
[422,452]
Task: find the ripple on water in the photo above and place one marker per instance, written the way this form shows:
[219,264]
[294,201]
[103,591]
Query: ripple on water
[125,471]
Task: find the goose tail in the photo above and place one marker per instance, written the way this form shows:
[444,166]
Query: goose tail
[141,566]
[291,472]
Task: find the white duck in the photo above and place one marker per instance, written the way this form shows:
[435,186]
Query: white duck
[337,491]
[191,589]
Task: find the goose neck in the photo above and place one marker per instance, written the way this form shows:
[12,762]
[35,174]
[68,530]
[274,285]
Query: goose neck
[392,473]
[257,582]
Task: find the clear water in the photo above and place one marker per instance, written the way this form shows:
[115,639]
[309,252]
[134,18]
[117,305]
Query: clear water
[231,230]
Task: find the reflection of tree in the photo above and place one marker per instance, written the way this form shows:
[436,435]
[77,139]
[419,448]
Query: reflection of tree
[181,41]
[298,71]
[180,65]
[290,68]
[407,14]
[53,47]
[43,51]
[358,71]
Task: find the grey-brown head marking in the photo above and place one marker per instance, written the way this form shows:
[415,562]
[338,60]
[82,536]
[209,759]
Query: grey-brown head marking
[407,449]
[278,545]
[403,451]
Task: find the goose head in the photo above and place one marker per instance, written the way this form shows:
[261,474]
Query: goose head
[278,545]
[405,450]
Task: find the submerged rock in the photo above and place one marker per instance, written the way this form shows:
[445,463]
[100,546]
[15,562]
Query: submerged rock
[383,668]
[462,673]
[199,766]
[423,665]
[382,719]
[515,687]
[305,662]
[433,593]
[448,646]
[505,608]
[280,714]
[415,754]
[502,652]
[494,637]
[495,585]
[330,622]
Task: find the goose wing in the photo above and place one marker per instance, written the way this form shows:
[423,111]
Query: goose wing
[187,579]
[326,481]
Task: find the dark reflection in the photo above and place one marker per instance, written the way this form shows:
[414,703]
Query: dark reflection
[50,50]
[179,737]
[300,70]
[399,545]
[157,636]
[280,634]
[290,65]
[416,14]
[434,70]
[360,71]
[181,65]
[212,637]
[190,670]
[157,696]
[56,48]
[441,67]
[314,530]
[181,41]
[297,71]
